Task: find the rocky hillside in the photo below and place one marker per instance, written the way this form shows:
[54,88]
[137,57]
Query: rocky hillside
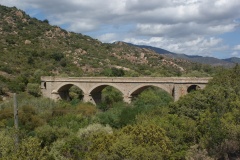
[31,48]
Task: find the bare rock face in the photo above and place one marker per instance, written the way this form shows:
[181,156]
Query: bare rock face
[142,55]
[19,14]
[80,51]
[27,42]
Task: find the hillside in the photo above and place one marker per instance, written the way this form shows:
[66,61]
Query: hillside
[31,48]
[233,60]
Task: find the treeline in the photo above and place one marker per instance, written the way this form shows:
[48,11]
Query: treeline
[204,124]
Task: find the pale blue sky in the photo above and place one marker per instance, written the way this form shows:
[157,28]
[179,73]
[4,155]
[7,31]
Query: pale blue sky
[193,27]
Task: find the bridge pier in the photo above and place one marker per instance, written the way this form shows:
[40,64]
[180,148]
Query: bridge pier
[127,99]
[55,95]
[179,91]
[88,98]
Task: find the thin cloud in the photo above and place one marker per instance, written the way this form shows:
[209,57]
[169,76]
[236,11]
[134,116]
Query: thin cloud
[108,37]
[235,54]
[237,47]
[201,45]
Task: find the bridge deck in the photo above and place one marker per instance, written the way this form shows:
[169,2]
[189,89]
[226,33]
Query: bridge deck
[128,79]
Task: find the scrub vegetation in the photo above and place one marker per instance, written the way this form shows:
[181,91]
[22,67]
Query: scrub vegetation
[202,125]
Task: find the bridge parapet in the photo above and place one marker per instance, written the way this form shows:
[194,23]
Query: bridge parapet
[128,79]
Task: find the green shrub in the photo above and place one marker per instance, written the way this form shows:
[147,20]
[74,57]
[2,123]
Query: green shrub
[28,118]
[28,148]
[110,96]
[70,147]
[131,142]
[49,134]
[86,109]
[57,56]
[70,121]
[34,89]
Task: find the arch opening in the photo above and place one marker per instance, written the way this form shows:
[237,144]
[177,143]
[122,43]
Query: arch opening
[193,88]
[141,89]
[151,95]
[70,92]
[45,85]
[106,95]
[137,92]
[173,92]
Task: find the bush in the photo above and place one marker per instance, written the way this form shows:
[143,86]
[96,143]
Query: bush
[68,148]
[28,118]
[131,142]
[70,121]
[110,96]
[93,129]
[28,148]
[113,72]
[112,116]
[57,56]
[34,89]
[86,109]
[152,97]
[49,134]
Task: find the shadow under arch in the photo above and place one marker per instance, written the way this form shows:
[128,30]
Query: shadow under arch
[139,89]
[193,88]
[96,92]
[64,91]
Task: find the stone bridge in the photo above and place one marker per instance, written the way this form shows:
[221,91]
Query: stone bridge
[58,88]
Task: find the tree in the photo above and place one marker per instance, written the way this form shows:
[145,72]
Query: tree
[154,97]
[34,89]
[131,142]
[114,72]
[28,148]
[46,21]
[110,96]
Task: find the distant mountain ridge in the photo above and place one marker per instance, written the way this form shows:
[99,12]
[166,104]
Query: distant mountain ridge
[194,58]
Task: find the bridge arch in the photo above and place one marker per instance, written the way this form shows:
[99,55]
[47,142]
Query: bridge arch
[63,90]
[137,90]
[193,87]
[96,91]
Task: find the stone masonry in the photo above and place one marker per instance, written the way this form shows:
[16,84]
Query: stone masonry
[58,87]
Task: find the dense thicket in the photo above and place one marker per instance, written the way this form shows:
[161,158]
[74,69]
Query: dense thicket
[216,109]
[204,124]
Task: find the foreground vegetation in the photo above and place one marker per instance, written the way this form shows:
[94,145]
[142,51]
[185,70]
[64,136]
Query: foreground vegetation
[204,124]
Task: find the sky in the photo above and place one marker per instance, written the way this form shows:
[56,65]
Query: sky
[192,27]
